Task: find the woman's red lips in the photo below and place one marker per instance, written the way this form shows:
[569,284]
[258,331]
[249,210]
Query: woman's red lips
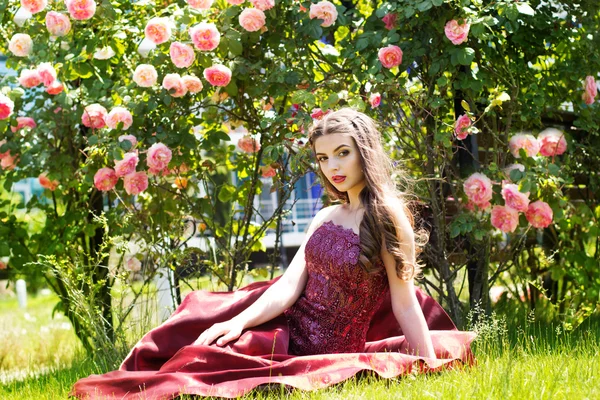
[338,178]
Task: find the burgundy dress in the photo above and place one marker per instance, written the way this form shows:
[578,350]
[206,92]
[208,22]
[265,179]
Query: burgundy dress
[342,324]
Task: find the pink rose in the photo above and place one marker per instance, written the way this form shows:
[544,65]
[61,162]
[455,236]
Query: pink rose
[127,165]
[158,157]
[81,9]
[205,36]
[6,107]
[182,55]
[131,139]
[55,88]
[514,198]
[3,265]
[390,56]
[248,144]
[158,30]
[46,183]
[29,78]
[235,2]
[539,214]
[218,75]
[324,10]
[478,189]
[552,142]
[200,4]
[8,161]
[192,83]
[116,115]
[268,171]
[375,100]
[174,85]
[263,5]
[47,73]
[590,90]
[390,20]
[20,44]
[317,113]
[461,127]
[508,169]
[505,218]
[58,24]
[34,6]
[145,75]
[105,179]
[455,32]
[252,19]
[523,141]
[94,116]
[135,183]
[23,122]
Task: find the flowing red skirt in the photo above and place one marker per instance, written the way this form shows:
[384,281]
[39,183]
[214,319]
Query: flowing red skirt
[165,364]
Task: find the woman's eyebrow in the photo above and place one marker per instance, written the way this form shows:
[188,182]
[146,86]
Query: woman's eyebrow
[337,148]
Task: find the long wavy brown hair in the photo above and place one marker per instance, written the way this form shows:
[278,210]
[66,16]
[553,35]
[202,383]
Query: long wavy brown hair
[377,223]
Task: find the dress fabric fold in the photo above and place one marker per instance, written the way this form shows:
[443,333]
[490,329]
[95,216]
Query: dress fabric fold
[341,325]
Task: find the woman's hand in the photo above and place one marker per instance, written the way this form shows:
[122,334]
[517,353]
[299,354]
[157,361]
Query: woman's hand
[225,332]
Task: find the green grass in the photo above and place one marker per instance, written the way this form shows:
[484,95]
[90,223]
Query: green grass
[523,360]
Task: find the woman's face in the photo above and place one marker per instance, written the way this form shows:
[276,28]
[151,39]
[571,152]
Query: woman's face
[339,160]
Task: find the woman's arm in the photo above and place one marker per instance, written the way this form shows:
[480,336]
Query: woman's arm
[405,305]
[275,300]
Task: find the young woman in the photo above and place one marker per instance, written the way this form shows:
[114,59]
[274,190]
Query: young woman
[347,302]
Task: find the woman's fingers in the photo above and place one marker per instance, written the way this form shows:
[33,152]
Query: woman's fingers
[209,335]
[231,335]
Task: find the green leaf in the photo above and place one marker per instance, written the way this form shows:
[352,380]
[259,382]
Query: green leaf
[437,3]
[235,47]
[125,145]
[465,105]
[512,13]
[554,169]
[4,249]
[92,140]
[330,102]
[357,103]
[516,175]
[465,56]
[226,193]
[304,97]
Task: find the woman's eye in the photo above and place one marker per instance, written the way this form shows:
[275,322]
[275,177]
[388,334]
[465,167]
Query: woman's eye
[344,152]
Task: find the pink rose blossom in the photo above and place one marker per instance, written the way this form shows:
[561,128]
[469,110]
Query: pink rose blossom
[461,127]
[127,165]
[455,32]
[218,75]
[57,24]
[145,75]
[508,169]
[46,183]
[505,218]
[174,85]
[94,116]
[252,19]
[513,198]
[81,9]
[131,139]
[248,144]
[135,182]
[390,56]
[205,36]
[158,30]
[552,142]
[192,83]
[29,78]
[375,100]
[158,157]
[181,54]
[34,6]
[105,179]
[539,214]
[324,10]
[20,44]
[116,115]
[8,161]
[6,107]
[3,265]
[23,122]
[268,171]
[263,5]
[235,2]
[524,141]
[590,90]
[390,20]
[47,73]
[55,88]
[200,4]
[478,189]
[317,113]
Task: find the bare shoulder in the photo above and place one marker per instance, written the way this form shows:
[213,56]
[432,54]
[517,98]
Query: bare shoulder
[322,215]
[401,220]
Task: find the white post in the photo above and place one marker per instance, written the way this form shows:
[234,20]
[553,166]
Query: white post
[166,303]
[21,293]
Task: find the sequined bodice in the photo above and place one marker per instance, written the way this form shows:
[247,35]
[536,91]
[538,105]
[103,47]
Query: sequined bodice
[339,300]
